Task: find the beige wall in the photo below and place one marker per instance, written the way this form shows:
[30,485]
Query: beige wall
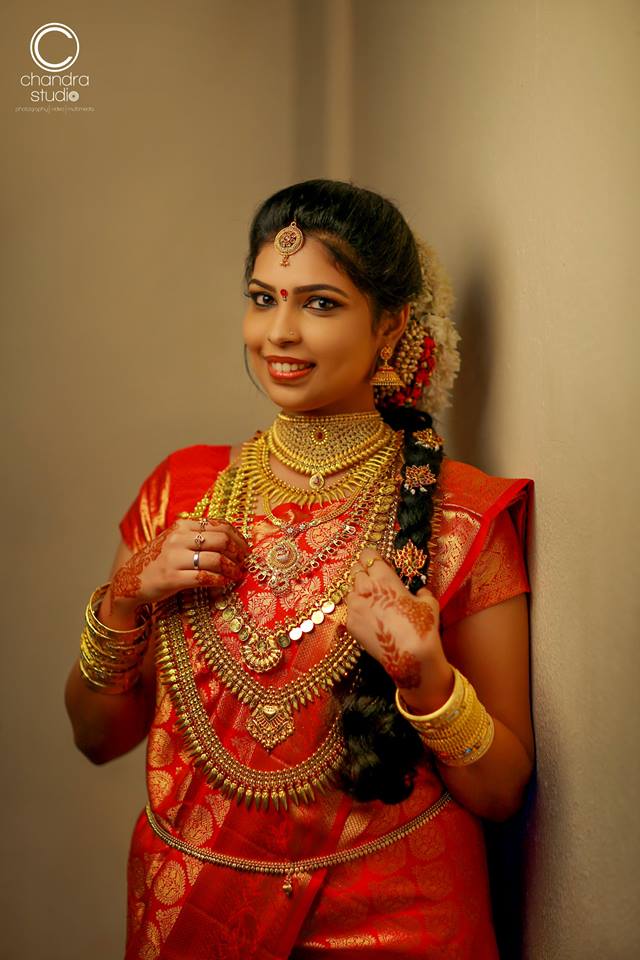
[508,133]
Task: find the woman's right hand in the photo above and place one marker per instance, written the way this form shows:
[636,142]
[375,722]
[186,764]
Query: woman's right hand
[165,565]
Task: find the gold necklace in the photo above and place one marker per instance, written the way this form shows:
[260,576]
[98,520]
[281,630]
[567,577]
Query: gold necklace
[220,768]
[262,649]
[320,446]
[230,498]
[279,491]
[283,563]
[262,652]
[272,707]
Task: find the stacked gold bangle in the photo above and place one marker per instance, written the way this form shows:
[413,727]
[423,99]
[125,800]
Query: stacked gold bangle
[460,732]
[110,659]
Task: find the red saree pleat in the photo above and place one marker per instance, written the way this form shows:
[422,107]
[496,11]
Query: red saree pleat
[221,919]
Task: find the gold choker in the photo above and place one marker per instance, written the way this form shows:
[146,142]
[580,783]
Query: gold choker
[318,447]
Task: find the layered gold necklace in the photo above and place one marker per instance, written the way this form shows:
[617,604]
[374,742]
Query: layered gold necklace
[318,447]
[272,708]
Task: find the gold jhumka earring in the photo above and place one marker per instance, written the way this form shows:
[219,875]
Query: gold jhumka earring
[288,241]
[385,375]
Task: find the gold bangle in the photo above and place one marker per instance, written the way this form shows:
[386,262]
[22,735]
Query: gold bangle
[458,733]
[473,751]
[109,687]
[444,714]
[110,660]
[111,633]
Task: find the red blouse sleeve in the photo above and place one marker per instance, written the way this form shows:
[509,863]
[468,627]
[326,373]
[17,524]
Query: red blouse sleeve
[498,574]
[174,486]
[147,515]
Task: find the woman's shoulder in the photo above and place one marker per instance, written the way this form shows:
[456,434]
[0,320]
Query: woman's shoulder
[466,487]
[197,456]
[175,484]
[472,501]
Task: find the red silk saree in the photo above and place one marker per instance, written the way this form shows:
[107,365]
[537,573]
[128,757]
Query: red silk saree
[425,895]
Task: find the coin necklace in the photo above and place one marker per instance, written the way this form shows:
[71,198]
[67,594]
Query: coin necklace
[262,650]
[272,707]
[297,783]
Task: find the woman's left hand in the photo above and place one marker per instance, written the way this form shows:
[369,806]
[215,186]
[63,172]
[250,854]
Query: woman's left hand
[401,631]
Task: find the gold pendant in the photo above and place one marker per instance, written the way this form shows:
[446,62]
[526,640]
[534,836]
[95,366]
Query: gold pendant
[284,562]
[261,653]
[270,724]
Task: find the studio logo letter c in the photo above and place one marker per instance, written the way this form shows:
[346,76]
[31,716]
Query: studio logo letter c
[34,47]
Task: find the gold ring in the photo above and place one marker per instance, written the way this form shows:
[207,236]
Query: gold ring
[203,523]
[199,540]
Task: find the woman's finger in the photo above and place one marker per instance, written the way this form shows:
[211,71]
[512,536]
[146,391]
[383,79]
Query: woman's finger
[213,525]
[218,541]
[211,562]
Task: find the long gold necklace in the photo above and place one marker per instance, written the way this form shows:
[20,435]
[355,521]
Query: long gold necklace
[272,707]
[297,783]
[232,497]
[263,652]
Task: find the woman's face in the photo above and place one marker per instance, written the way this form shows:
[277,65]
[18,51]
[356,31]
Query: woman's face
[308,333]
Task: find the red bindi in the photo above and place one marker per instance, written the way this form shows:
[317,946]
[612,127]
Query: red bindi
[284,294]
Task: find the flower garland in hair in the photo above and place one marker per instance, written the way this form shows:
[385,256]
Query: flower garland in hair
[426,357]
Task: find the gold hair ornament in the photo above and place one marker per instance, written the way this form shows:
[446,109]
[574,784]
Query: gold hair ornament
[418,478]
[409,561]
[426,357]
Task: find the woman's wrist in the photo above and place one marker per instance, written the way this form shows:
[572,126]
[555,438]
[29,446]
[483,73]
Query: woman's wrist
[120,613]
[112,651]
[434,690]
[460,731]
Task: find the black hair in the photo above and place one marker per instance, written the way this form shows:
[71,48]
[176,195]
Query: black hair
[369,239]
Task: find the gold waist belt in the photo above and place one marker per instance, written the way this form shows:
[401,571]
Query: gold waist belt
[290,868]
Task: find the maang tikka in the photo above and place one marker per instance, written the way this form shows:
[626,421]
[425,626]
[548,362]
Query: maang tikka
[288,241]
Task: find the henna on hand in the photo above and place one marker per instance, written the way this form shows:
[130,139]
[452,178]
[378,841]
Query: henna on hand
[418,613]
[403,668]
[230,570]
[381,594]
[206,579]
[126,581]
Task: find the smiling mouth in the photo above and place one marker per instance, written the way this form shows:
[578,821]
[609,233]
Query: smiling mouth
[288,370]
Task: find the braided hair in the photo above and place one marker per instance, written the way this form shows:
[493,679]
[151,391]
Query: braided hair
[371,242]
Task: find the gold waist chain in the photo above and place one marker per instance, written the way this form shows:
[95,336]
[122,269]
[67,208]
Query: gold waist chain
[289,869]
